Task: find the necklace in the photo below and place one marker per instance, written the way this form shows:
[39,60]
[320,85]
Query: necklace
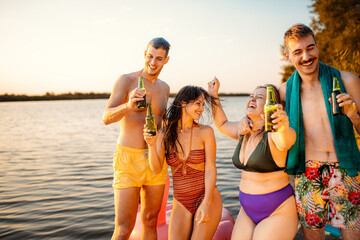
[181,130]
[258,130]
[185,129]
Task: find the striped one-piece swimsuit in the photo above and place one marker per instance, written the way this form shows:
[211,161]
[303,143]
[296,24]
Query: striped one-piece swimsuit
[188,178]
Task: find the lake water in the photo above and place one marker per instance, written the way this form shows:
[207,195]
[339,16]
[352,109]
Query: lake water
[56,169]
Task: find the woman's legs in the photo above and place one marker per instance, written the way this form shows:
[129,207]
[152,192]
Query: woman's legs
[180,225]
[280,225]
[243,228]
[207,230]
[183,226]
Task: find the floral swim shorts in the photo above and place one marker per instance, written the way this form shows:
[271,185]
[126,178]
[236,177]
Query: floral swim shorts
[326,188]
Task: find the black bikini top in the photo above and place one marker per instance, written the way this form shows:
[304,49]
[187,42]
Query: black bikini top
[260,160]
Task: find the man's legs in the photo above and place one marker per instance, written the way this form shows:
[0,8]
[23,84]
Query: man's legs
[311,200]
[126,205]
[346,234]
[345,205]
[151,199]
[349,234]
[313,234]
[342,197]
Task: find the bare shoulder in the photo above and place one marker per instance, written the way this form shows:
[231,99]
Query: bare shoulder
[351,82]
[282,91]
[205,130]
[164,86]
[348,77]
[163,83]
[123,85]
[128,79]
[283,87]
[205,133]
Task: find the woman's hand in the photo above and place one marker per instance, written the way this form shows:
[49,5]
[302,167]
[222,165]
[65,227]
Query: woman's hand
[148,137]
[213,87]
[203,213]
[280,119]
[245,126]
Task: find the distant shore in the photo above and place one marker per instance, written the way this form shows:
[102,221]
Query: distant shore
[74,96]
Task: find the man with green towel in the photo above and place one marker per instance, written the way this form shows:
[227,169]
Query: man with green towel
[325,158]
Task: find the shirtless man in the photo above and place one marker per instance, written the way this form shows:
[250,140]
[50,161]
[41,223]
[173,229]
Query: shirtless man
[131,166]
[325,158]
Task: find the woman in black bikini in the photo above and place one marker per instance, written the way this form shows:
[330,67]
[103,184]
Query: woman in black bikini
[268,209]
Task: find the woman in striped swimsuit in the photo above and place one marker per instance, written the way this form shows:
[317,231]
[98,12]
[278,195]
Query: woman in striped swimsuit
[190,150]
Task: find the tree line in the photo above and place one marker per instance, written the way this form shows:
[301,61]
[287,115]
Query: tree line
[51,96]
[336,24]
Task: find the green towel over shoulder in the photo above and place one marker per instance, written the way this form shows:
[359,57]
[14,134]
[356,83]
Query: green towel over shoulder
[342,129]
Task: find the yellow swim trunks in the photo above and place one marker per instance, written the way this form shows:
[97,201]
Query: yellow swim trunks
[132,169]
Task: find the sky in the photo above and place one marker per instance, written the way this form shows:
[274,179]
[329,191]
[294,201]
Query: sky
[85,45]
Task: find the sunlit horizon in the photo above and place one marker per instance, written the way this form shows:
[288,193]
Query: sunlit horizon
[84,46]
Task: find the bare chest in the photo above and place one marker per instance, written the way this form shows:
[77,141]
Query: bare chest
[313,107]
[157,96]
[318,135]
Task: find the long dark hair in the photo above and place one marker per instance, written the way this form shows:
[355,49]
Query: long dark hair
[173,114]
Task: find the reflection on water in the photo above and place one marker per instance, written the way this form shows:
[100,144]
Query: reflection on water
[56,169]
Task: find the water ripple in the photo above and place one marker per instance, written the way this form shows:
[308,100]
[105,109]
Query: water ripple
[56,169]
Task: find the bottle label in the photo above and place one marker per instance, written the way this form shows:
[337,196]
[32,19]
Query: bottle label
[150,122]
[141,103]
[269,110]
[336,109]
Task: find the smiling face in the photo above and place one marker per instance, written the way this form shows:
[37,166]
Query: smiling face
[194,109]
[255,103]
[155,59]
[304,54]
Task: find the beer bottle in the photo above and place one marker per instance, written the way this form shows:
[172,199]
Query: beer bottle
[336,109]
[269,109]
[150,120]
[141,103]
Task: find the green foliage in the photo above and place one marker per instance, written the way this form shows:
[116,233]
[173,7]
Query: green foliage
[337,30]
[287,71]
[336,24]
[288,68]
[347,60]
